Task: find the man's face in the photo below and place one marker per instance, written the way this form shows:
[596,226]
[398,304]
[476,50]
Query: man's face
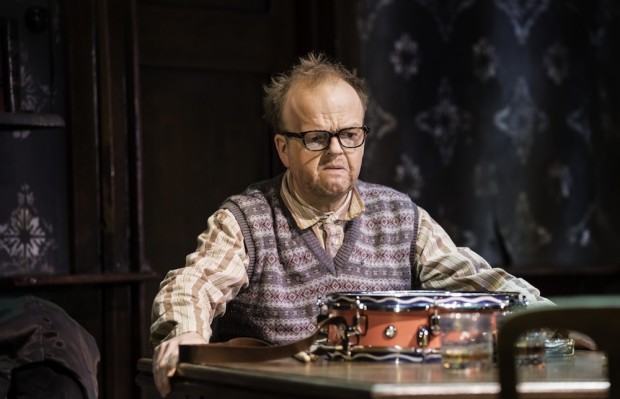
[321,178]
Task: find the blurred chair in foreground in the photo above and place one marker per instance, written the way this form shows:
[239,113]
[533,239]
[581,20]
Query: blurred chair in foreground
[44,353]
[595,316]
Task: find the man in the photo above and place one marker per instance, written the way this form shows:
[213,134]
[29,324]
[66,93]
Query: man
[268,253]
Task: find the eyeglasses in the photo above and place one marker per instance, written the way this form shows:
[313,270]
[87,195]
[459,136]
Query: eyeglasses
[318,140]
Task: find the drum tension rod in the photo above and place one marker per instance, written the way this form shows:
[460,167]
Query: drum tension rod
[434,321]
[356,328]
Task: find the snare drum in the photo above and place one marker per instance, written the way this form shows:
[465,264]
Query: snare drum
[402,325]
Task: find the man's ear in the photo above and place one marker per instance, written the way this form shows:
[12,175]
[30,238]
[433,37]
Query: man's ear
[282,148]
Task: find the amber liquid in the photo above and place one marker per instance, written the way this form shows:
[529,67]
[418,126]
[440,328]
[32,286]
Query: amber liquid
[466,357]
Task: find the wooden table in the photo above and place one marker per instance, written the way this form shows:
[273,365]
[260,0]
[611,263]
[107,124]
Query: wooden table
[580,376]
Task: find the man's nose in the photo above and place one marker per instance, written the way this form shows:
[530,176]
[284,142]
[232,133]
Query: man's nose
[334,145]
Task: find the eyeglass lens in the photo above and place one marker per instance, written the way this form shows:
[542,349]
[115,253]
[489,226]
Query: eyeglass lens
[350,138]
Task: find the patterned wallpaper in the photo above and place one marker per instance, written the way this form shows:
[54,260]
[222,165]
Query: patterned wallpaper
[501,119]
[34,216]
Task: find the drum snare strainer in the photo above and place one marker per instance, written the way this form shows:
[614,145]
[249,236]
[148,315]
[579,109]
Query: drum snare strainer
[399,325]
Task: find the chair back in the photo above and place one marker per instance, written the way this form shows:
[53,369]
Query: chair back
[595,316]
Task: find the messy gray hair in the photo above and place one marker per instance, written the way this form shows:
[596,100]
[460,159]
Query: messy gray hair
[311,69]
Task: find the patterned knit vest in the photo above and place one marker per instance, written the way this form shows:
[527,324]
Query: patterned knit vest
[289,270]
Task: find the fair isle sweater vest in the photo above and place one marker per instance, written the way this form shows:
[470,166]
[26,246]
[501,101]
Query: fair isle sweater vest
[289,270]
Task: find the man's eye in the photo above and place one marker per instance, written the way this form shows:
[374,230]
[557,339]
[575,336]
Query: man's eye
[349,134]
[314,138]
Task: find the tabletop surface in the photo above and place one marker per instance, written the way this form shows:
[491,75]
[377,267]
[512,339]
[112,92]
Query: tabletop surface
[580,375]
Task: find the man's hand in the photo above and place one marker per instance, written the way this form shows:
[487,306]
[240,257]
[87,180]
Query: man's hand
[582,341]
[166,357]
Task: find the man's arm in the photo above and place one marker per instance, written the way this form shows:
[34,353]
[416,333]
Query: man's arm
[189,298]
[440,264]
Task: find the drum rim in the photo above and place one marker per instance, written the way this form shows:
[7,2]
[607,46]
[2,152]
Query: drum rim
[424,299]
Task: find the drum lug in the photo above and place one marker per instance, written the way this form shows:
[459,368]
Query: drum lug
[323,311]
[423,336]
[390,332]
[433,322]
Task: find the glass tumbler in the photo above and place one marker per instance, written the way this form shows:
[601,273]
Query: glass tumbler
[466,341]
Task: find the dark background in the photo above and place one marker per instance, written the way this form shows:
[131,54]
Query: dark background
[139,117]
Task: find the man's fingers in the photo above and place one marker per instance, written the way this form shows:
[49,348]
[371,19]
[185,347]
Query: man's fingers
[164,366]
[171,365]
[160,378]
[166,357]
[162,384]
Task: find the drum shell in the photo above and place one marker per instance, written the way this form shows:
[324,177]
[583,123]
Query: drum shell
[404,325]
[397,319]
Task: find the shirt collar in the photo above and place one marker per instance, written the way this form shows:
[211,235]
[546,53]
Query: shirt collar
[306,215]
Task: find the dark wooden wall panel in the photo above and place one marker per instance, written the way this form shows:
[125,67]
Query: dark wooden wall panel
[204,140]
[230,39]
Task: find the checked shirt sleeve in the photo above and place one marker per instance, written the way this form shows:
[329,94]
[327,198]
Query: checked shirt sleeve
[190,297]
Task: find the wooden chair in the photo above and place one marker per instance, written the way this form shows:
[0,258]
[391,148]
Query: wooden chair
[596,316]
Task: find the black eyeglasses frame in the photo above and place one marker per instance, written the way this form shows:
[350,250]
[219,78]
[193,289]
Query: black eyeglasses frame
[301,135]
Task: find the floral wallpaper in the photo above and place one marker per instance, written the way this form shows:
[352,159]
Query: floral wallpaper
[26,239]
[34,216]
[498,118]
